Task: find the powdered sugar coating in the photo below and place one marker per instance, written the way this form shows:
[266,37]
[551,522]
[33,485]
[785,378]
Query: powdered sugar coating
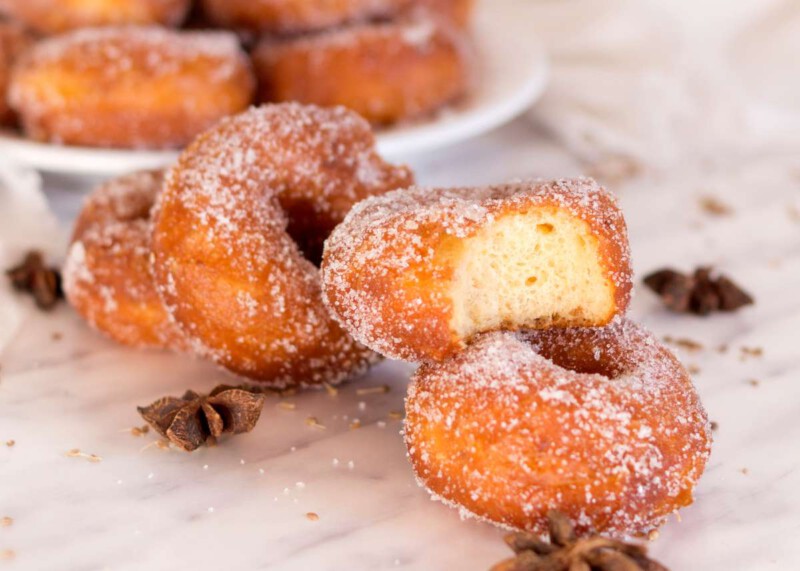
[138,87]
[602,424]
[384,276]
[226,267]
[107,275]
[297,16]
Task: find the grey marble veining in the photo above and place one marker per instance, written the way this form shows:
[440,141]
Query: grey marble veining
[243,504]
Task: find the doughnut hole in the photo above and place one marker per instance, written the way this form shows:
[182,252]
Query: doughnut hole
[536,270]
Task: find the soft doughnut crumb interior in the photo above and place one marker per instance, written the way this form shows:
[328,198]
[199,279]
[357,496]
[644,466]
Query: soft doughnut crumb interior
[533,269]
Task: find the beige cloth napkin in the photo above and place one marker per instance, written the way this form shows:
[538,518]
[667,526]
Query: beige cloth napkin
[667,82]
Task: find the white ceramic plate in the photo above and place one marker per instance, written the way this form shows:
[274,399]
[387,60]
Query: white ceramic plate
[511,75]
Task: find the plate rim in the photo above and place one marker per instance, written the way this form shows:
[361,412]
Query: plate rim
[401,143]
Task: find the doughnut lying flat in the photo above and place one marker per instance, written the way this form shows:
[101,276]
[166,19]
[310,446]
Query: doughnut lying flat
[414,274]
[107,276]
[601,424]
[130,87]
[294,16]
[55,16]
[13,41]
[386,72]
[225,265]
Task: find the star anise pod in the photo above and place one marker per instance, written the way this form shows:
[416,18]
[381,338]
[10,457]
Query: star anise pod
[194,419]
[566,552]
[700,293]
[33,277]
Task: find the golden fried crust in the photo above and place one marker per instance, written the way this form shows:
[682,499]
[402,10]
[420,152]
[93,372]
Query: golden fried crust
[386,72]
[297,16]
[107,275]
[389,270]
[14,40]
[130,87]
[225,266]
[56,16]
[603,425]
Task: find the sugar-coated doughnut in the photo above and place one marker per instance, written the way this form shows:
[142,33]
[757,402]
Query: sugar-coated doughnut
[601,424]
[107,275]
[14,39]
[55,16]
[386,71]
[296,16]
[130,87]
[226,267]
[415,273]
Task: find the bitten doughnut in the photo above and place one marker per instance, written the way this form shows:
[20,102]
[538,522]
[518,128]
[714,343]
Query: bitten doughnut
[130,87]
[55,16]
[226,267]
[13,41]
[602,424]
[107,276]
[415,273]
[296,16]
[386,72]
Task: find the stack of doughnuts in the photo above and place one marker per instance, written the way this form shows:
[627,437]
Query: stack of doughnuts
[153,74]
[216,256]
[534,392]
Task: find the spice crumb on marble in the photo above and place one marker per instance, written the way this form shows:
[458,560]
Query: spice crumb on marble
[138,431]
[377,390]
[683,343]
[314,422]
[77,453]
[714,206]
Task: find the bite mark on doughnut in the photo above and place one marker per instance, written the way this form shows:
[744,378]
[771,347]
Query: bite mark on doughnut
[415,273]
[535,269]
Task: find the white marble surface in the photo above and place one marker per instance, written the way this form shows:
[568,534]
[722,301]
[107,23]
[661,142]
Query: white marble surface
[242,505]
